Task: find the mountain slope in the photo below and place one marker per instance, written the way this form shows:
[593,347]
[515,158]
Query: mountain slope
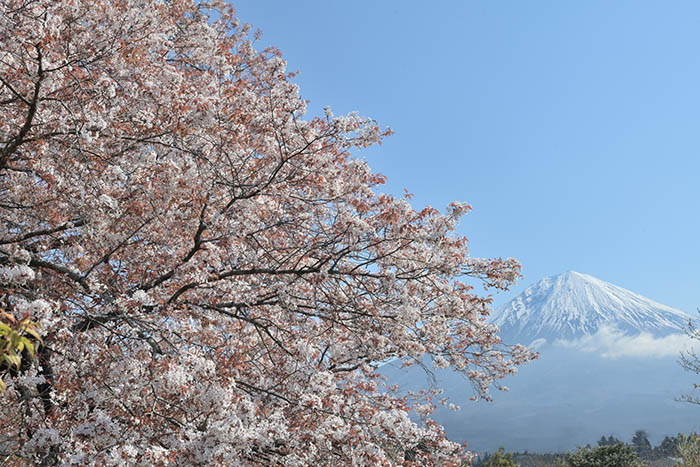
[572,304]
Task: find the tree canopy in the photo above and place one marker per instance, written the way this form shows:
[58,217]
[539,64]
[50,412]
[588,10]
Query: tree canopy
[610,455]
[212,277]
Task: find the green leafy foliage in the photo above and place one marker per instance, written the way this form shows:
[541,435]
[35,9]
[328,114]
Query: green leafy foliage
[667,448]
[499,459]
[17,339]
[616,455]
[641,443]
[611,452]
[609,441]
[689,449]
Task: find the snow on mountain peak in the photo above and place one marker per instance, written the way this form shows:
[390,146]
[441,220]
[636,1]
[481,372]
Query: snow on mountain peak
[572,304]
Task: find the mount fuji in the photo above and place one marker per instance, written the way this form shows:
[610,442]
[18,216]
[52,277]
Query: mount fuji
[607,365]
[572,304]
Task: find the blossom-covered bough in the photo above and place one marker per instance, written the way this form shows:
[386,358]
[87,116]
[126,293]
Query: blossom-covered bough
[214,278]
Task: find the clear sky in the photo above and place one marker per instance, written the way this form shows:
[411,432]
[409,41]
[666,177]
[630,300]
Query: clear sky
[573,128]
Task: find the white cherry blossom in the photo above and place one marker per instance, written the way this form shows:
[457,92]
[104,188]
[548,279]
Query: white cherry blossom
[217,275]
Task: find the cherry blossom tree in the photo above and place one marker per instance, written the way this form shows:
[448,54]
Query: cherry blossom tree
[200,275]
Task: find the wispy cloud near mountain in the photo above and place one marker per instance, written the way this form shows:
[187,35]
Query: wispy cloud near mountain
[610,342]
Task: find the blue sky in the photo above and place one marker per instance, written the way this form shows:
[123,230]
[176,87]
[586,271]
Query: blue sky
[573,128]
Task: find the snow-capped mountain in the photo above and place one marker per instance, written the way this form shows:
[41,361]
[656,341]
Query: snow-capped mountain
[572,304]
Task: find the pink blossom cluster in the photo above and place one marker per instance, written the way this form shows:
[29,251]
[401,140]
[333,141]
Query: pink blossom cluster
[216,277]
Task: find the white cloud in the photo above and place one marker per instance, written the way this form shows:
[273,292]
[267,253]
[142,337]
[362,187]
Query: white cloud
[537,343]
[610,342]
